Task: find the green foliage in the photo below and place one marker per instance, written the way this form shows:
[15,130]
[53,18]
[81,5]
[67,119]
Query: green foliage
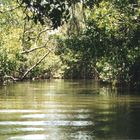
[42,11]
[7,63]
[110,40]
[78,61]
[18,35]
[102,41]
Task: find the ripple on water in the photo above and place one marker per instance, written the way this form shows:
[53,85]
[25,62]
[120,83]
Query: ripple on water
[56,116]
[47,123]
[47,110]
[18,111]
[30,137]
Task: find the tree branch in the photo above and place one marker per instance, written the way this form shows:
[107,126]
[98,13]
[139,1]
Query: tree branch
[11,77]
[39,34]
[33,49]
[37,63]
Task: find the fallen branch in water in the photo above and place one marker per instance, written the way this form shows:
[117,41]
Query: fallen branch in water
[11,77]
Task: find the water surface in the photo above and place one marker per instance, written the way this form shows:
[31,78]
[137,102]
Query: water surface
[67,110]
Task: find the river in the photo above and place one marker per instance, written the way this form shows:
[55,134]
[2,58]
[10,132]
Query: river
[67,110]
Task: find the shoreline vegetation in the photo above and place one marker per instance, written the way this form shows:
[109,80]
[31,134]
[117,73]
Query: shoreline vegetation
[70,40]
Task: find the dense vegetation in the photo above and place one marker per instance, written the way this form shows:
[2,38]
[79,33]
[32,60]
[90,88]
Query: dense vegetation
[70,39]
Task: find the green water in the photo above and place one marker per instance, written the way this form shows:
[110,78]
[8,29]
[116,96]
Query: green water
[67,110]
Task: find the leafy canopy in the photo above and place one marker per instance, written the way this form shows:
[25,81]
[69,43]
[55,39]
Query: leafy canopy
[53,12]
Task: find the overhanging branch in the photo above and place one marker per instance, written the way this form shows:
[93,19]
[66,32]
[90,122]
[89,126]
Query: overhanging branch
[37,63]
[33,49]
[41,32]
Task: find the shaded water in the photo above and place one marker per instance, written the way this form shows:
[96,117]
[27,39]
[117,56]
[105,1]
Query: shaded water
[67,110]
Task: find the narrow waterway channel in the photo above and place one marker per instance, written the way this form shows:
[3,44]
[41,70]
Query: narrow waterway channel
[67,110]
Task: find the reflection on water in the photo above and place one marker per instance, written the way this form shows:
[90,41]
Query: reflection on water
[67,110]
